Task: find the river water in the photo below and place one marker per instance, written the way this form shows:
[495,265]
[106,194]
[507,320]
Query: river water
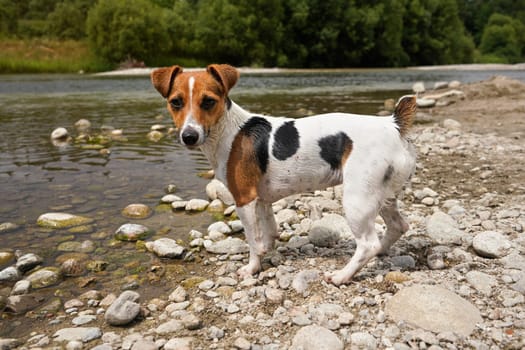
[37,177]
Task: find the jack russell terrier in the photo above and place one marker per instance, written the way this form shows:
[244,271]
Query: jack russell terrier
[262,159]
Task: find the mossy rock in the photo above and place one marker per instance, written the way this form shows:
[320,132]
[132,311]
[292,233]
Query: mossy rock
[62,220]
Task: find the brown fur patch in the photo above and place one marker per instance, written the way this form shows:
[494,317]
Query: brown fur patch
[243,173]
[404,113]
[346,153]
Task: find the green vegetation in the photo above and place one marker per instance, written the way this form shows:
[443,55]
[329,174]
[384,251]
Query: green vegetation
[72,35]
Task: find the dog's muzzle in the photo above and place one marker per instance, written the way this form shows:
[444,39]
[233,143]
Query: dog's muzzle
[190,136]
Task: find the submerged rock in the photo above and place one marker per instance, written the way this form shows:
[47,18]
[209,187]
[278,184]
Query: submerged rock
[44,277]
[62,220]
[132,232]
[165,248]
[137,211]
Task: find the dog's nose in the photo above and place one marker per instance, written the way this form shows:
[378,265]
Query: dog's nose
[190,136]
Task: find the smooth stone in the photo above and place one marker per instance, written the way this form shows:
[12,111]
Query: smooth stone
[8,227]
[302,280]
[171,326]
[136,211]
[10,274]
[220,226]
[403,261]
[215,189]
[363,340]
[143,344]
[44,277]
[425,102]
[418,87]
[336,223]
[491,244]
[451,124]
[155,135]
[132,232]
[230,245]
[9,343]
[165,248]
[433,308]
[170,198]
[78,247]
[124,309]
[287,216]
[443,229]
[82,124]
[196,205]
[178,344]
[6,258]
[83,334]
[20,304]
[62,220]
[59,133]
[73,267]
[481,281]
[314,337]
[21,287]
[83,319]
[323,236]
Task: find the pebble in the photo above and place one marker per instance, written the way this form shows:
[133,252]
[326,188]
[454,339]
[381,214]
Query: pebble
[491,244]
[322,236]
[165,248]
[62,220]
[217,190]
[449,311]
[230,245]
[481,281]
[137,211]
[124,309]
[315,337]
[132,232]
[443,229]
[83,334]
[196,205]
[302,280]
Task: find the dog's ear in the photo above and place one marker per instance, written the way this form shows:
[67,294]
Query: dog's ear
[224,74]
[162,79]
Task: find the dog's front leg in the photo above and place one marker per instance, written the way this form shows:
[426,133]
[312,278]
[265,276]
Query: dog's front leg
[260,230]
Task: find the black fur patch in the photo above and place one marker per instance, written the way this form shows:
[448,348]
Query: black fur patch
[333,148]
[259,130]
[388,173]
[286,141]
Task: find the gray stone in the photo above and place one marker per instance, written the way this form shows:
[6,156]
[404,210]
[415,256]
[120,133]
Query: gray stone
[44,277]
[433,308]
[425,102]
[303,279]
[59,134]
[363,340]
[443,229]
[124,309]
[316,338]
[491,244]
[514,261]
[169,327]
[178,295]
[165,248]
[220,226]
[482,282]
[19,304]
[336,223]
[451,124]
[83,334]
[170,198]
[323,236]
[217,190]
[196,205]
[136,211]
[287,216]
[418,87]
[9,343]
[62,220]
[8,227]
[10,274]
[21,287]
[215,332]
[179,344]
[511,298]
[83,319]
[230,245]
[132,232]
[144,344]
[403,261]
[28,261]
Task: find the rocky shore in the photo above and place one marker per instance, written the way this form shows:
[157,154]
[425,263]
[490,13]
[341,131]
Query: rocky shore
[455,280]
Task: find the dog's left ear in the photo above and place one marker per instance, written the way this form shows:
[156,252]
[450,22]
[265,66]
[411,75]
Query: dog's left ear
[162,79]
[224,74]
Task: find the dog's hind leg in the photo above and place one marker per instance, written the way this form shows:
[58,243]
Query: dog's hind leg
[361,207]
[395,225]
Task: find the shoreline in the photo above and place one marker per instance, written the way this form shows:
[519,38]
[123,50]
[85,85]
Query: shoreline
[276,70]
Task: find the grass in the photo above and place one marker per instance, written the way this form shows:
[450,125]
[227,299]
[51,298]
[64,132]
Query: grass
[47,56]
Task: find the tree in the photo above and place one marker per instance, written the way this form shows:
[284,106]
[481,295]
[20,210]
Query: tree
[67,21]
[119,30]
[8,17]
[502,39]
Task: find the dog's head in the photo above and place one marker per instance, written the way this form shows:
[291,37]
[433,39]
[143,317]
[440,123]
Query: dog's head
[196,100]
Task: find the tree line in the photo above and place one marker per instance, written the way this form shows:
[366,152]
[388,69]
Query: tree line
[284,33]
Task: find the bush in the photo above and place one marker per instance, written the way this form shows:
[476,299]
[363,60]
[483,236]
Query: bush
[120,30]
[502,39]
[66,21]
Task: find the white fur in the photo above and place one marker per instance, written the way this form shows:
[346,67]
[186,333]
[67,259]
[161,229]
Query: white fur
[377,144]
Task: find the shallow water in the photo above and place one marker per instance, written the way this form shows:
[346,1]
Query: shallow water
[37,177]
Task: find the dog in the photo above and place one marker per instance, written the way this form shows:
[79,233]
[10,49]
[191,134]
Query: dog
[262,159]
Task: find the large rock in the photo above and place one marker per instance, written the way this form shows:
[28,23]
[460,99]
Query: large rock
[62,220]
[335,223]
[124,309]
[433,308]
[28,261]
[443,229]
[229,245]
[132,232]
[217,190]
[165,248]
[83,334]
[316,338]
[491,244]
[44,277]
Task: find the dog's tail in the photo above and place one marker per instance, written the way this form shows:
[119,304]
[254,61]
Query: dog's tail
[404,113]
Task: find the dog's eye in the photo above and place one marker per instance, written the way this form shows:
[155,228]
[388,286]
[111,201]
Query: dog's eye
[177,103]
[208,103]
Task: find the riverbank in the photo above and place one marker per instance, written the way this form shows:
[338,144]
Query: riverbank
[455,280]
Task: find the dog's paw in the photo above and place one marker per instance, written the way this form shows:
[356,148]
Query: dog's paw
[247,271]
[336,278]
